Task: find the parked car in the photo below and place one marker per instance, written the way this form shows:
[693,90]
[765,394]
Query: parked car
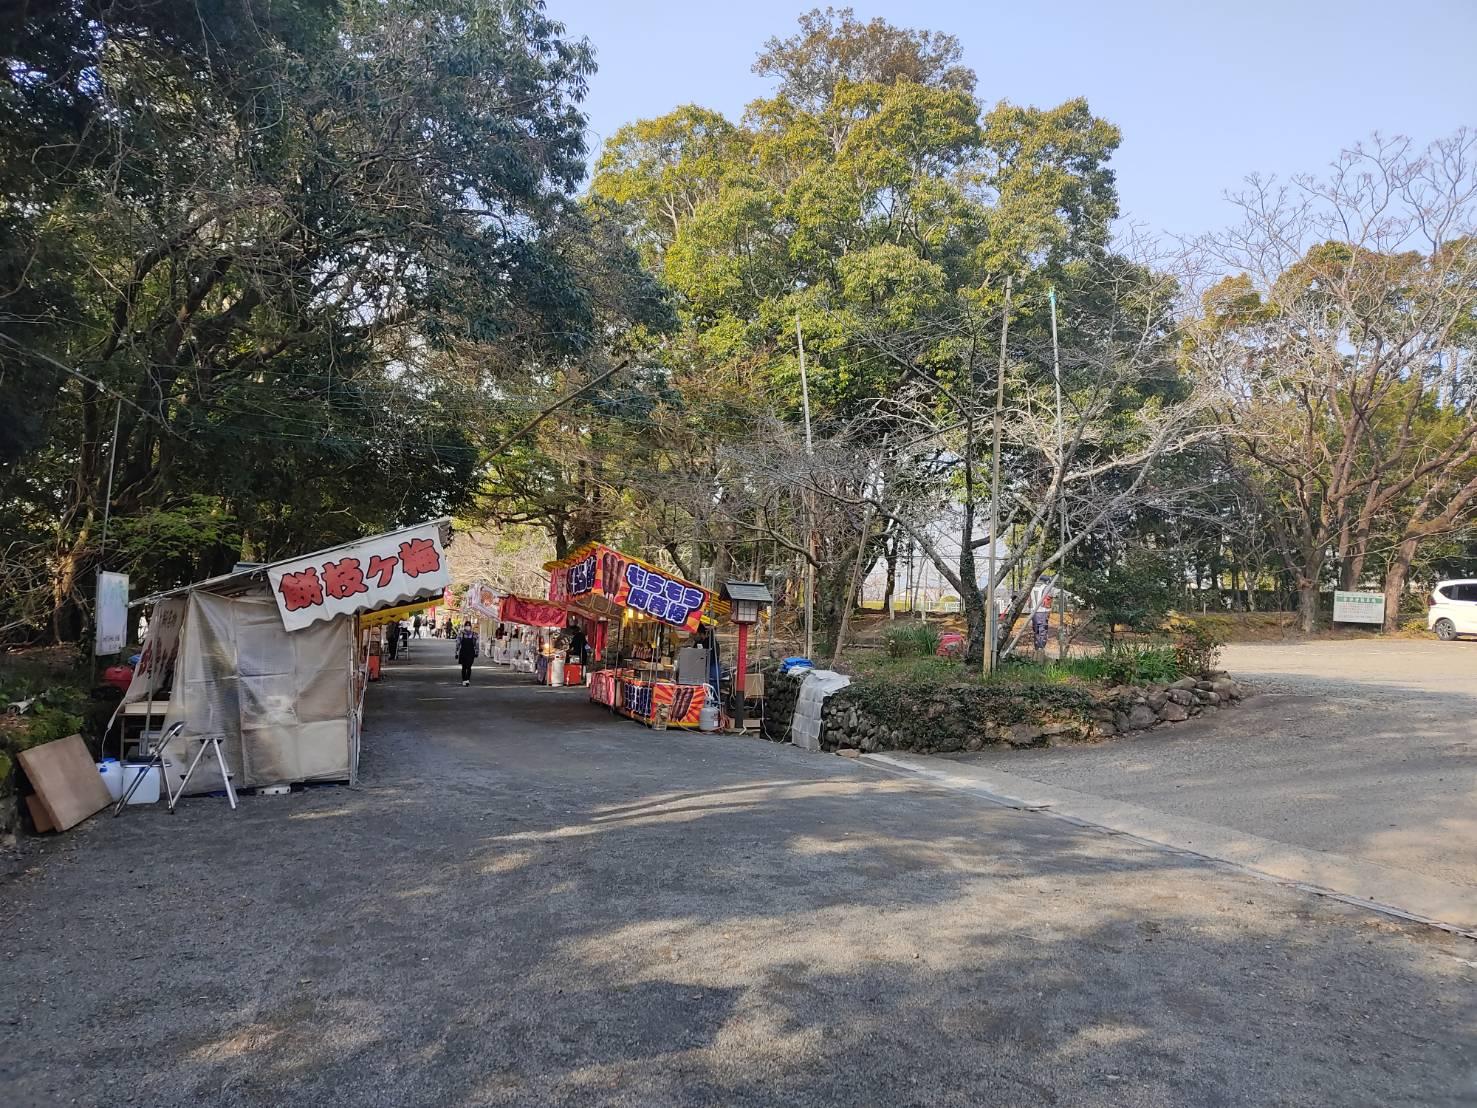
[1452,609]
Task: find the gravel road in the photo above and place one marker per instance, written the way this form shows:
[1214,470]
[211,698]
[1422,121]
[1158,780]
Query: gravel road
[1361,749]
[528,903]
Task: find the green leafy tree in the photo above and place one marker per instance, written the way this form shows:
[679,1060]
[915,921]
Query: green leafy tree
[870,205]
[1134,591]
[302,253]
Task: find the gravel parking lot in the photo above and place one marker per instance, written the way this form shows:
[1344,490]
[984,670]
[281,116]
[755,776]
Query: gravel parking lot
[1366,749]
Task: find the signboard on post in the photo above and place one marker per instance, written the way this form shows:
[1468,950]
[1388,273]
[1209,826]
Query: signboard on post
[1359,607]
[112,613]
[360,577]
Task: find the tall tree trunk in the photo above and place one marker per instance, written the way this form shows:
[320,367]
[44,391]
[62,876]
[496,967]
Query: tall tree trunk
[891,586]
[1307,605]
[1395,578]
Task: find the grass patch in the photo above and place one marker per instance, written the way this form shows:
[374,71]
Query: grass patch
[1130,664]
[911,640]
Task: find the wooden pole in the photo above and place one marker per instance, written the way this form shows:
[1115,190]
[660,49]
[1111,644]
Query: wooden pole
[1061,490]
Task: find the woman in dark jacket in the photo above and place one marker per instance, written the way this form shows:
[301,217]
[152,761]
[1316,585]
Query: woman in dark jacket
[466,652]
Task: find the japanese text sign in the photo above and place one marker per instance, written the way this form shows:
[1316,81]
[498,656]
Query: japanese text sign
[360,577]
[1359,607]
[663,598]
[624,581]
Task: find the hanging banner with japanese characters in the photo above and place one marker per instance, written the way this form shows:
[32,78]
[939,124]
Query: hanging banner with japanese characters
[155,666]
[360,577]
[111,613]
[532,613]
[602,581]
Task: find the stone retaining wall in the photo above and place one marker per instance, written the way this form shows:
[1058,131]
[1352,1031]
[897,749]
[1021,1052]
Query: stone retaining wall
[944,719]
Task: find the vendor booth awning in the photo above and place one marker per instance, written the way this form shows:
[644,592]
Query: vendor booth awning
[600,582]
[393,615]
[532,613]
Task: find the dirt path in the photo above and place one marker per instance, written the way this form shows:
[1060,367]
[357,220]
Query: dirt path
[529,903]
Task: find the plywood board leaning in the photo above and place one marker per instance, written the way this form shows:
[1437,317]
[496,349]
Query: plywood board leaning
[39,815]
[66,779]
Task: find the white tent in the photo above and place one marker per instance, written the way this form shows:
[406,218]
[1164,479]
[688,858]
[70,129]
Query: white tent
[270,657]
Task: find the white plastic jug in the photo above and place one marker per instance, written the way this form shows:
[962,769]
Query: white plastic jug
[148,790]
[112,771]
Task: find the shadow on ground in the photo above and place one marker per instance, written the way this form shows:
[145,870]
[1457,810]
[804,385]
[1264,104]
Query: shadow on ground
[530,903]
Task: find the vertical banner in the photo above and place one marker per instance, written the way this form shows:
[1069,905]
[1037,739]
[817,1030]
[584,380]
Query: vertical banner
[161,648]
[112,613]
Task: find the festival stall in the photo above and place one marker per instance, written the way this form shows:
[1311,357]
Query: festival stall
[651,635]
[549,639]
[272,660]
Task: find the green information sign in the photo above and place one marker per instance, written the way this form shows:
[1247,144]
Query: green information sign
[1359,607]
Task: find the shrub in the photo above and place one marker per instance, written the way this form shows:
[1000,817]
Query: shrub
[911,640]
[1140,665]
[1197,645]
[1133,593]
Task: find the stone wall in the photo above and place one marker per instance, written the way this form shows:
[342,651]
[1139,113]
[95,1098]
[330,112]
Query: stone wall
[946,718]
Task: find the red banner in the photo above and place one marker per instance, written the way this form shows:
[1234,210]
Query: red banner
[534,613]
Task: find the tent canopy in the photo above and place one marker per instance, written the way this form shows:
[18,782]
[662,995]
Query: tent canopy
[393,615]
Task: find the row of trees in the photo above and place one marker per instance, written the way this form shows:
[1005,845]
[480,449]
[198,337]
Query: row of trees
[269,274]
[327,269]
[1306,420]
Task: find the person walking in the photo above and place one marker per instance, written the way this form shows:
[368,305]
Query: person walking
[466,651]
[392,640]
[416,626]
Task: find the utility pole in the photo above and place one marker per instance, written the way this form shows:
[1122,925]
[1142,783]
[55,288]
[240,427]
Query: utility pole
[102,548]
[108,496]
[1061,489]
[809,502]
[992,617]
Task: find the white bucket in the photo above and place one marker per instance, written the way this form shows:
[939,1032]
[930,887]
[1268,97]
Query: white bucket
[148,791]
[112,771]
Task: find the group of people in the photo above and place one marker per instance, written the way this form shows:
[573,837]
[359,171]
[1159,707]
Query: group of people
[467,650]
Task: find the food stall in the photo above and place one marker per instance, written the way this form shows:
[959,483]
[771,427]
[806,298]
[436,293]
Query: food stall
[271,661]
[650,635]
[555,652]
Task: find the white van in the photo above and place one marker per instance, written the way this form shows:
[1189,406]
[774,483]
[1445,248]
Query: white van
[1452,609]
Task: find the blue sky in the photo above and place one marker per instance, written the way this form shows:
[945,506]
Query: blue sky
[1205,91]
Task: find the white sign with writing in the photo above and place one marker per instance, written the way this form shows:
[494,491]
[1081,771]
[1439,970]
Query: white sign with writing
[359,577]
[112,612]
[161,648]
[1359,607]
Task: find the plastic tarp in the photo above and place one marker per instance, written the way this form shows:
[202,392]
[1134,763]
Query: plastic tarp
[805,727]
[281,701]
